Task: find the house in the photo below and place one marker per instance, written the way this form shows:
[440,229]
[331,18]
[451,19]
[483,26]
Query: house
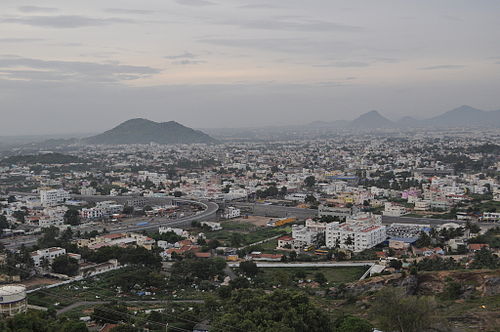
[477,246]
[48,254]
[231,213]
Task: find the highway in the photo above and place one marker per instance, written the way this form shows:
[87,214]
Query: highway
[135,224]
[285,211]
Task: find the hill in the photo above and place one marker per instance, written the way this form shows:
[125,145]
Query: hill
[465,116]
[143,131]
[372,119]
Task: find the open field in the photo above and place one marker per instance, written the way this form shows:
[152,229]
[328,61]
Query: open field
[336,275]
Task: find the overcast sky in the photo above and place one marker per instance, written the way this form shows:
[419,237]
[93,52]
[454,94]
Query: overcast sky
[85,66]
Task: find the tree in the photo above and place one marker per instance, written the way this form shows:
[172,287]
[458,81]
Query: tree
[310,199]
[396,264]
[320,278]
[4,224]
[395,311]
[72,217]
[352,324]
[279,311]
[485,259]
[236,239]
[249,268]
[128,210]
[65,265]
[310,181]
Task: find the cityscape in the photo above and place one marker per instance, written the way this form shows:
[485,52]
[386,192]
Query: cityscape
[217,213]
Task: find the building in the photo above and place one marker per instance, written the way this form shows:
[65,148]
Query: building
[13,300]
[393,210]
[231,213]
[48,254]
[52,197]
[354,236]
[339,211]
[491,216]
[308,234]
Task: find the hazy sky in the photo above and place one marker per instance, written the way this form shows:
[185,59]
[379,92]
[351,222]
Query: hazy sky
[85,66]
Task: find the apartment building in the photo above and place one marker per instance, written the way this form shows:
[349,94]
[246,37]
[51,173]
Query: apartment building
[355,236]
[53,197]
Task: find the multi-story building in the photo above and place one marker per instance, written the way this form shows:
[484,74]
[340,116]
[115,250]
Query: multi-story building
[355,236]
[340,211]
[48,254]
[393,210]
[231,213]
[52,197]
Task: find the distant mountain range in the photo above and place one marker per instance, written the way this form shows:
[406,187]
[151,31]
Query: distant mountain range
[463,116]
[143,131]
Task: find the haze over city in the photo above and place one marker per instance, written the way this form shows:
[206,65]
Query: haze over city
[73,67]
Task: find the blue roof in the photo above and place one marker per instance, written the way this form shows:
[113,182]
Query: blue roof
[404,239]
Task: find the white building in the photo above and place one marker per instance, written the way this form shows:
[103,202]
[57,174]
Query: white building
[308,234]
[214,226]
[52,197]
[354,236]
[491,216]
[48,254]
[88,191]
[166,229]
[231,213]
[394,210]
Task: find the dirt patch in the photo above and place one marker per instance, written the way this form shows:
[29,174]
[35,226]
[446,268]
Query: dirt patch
[255,220]
[37,282]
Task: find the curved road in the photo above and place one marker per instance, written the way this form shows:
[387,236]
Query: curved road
[130,224]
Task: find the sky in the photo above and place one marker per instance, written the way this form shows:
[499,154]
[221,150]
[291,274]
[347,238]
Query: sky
[70,66]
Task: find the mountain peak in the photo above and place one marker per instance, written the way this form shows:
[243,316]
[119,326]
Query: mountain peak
[144,131]
[372,119]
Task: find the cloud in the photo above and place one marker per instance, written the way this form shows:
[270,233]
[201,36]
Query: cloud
[438,67]
[64,21]
[290,24]
[185,55]
[286,45]
[187,62]
[258,6]
[20,40]
[344,64]
[71,70]
[195,3]
[128,11]
[37,9]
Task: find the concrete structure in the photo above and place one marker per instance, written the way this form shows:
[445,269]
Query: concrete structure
[13,300]
[231,212]
[354,236]
[48,254]
[340,212]
[394,210]
[52,197]
[491,216]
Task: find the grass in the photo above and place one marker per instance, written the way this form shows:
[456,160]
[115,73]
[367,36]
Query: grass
[334,275]
[250,234]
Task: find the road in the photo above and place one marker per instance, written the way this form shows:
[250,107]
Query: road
[84,303]
[128,225]
[285,211]
[317,264]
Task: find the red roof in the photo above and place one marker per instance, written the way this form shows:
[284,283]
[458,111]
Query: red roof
[478,246]
[203,254]
[285,238]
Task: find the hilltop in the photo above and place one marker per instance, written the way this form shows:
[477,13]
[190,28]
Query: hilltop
[143,131]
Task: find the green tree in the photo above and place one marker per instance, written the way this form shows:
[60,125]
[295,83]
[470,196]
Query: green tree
[352,324]
[395,311]
[72,217]
[249,268]
[310,181]
[279,311]
[65,265]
